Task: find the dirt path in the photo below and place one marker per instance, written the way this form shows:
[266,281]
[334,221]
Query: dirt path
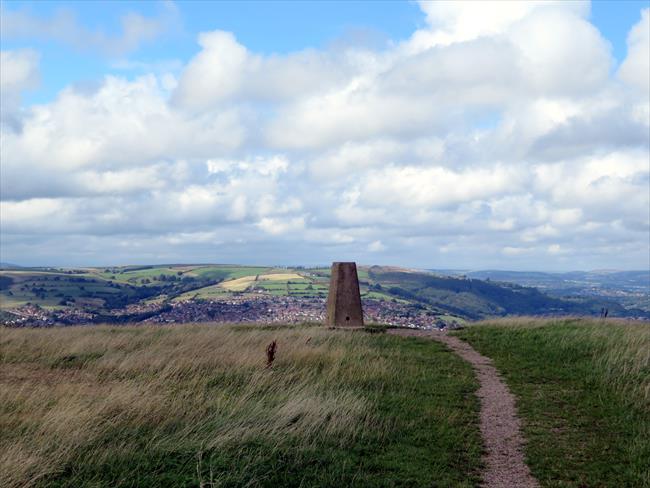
[500,425]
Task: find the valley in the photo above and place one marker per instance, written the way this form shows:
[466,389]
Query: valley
[180,293]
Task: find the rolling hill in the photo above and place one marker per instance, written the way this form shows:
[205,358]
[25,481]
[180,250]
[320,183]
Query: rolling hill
[136,293]
[476,298]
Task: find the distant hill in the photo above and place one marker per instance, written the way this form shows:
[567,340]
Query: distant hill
[139,292]
[631,289]
[603,279]
[639,279]
[476,298]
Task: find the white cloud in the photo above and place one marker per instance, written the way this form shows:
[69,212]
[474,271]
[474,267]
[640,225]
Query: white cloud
[452,22]
[376,246]
[120,125]
[277,226]
[515,251]
[18,72]
[635,69]
[361,155]
[64,27]
[436,186]
[215,73]
[562,53]
[224,70]
[555,249]
[493,136]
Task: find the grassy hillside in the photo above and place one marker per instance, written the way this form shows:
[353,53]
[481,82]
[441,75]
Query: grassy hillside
[475,299]
[195,406]
[103,290]
[112,287]
[583,391]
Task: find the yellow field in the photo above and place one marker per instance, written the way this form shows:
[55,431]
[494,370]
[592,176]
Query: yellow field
[240,284]
[206,292]
[281,276]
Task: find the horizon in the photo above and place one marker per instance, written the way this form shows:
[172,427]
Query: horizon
[326,265]
[510,136]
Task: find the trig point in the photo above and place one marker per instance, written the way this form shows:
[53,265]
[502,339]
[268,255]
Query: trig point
[344,299]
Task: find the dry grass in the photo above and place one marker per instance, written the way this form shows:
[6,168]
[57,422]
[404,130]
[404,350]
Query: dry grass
[238,284]
[65,391]
[241,284]
[281,277]
[146,399]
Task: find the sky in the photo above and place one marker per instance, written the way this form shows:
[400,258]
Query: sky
[467,135]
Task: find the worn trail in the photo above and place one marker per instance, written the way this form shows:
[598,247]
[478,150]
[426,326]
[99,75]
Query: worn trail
[500,425]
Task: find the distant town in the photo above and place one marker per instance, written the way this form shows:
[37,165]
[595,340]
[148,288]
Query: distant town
[237,309]
[174,294]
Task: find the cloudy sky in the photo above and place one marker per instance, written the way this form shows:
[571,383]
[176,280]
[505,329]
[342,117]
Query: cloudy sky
[506,135]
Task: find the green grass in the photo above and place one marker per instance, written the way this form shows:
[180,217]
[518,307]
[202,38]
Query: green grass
[377,295]
[362,273]
[296,288]
[115,286]
[206,292]
[52,288]
[229,272]
[583,391]
[127,275]
[195,406]
[271,285]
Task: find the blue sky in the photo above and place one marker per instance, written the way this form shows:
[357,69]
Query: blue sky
[507,135]
[275,27]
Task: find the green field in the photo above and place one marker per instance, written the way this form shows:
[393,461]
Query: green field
[104,290]
[195,406]
[382,296]
[583,391]
[229,272]
[50,289]
[90,287]
[204,293]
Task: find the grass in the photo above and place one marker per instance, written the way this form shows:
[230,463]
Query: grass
[278,279]
[51,288]
[227,272]
[195,406]
[207,292]
[238,284]
[117,285]
[377,295]
[281,277]
[583,389]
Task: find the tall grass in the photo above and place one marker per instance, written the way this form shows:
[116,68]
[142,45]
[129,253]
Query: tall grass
[618,349]
[196,405]
[583,388]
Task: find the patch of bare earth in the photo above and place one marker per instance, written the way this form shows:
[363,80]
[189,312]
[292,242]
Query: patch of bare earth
[500,425]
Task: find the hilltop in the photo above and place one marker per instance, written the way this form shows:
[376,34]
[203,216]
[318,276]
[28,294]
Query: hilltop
[197,406]
[206,292]
[628,288]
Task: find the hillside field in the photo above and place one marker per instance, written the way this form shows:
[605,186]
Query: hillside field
[110,287]
[149,290]
[583,389]
[194,405]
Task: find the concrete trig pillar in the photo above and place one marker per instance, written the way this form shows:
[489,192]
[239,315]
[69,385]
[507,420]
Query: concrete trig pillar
[344,299]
